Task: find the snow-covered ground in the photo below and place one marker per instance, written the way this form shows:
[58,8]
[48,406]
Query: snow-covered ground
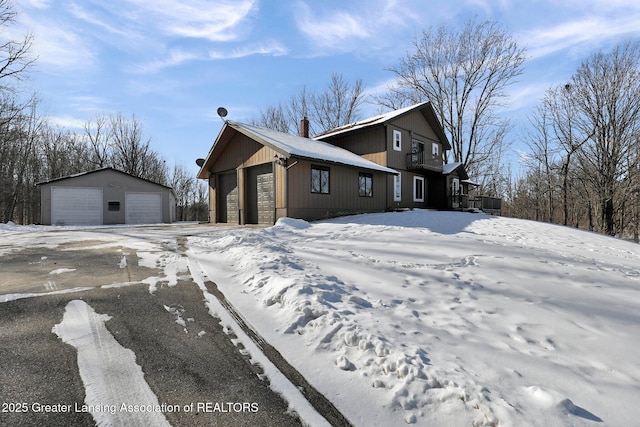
[441,318]
[422,317]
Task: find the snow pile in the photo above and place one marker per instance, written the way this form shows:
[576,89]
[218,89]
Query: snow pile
[443,318]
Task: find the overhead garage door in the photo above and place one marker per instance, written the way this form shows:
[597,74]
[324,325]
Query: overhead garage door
[76,206]
[260,195]
[143,208]
[228,199]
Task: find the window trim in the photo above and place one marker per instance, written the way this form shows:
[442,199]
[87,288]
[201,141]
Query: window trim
[417,179]
[328,175]
[367,177]
[397,140]
[435,149]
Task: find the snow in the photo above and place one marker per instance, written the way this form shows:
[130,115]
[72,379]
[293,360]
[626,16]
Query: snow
[109,371]
[447,168]
[442,318]
[419,317]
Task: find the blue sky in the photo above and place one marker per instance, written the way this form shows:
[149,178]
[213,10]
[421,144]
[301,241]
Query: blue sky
[172,63]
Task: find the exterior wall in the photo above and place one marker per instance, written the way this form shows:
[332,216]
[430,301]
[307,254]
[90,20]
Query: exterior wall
[343,198]
[114,186]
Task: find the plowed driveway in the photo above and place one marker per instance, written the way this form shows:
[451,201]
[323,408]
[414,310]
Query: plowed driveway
[136,278]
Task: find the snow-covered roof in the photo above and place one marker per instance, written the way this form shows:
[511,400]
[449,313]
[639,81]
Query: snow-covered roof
[372,121]
[296,146]
[450,167]
[455,167]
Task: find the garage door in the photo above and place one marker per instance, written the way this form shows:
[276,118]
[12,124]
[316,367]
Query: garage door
[260,195]
[76,206]
[143,208]
[228,199]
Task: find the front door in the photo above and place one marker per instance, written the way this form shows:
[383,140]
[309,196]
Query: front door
[455,193]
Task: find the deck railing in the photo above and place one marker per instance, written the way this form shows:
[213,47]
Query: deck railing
[491,205]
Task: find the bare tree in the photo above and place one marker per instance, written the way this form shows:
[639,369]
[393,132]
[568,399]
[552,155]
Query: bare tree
[275,118]
[183,184]
[607,94]
[542,157]
[14,54]
[98,134]
[336,105]
[464,74]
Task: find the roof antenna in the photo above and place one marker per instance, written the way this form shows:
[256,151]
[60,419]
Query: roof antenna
[222,112]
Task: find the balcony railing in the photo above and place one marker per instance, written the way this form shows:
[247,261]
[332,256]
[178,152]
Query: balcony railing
[424,161]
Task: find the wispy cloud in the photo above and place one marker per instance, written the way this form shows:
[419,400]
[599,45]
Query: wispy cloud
[333,28]
[269,49]
[177,57]
[58,46]
[96,21]
[39,4]
[174,57]
[590,32]
[214,21]
[364,26]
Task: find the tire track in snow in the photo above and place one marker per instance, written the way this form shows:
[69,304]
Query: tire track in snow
[110,374]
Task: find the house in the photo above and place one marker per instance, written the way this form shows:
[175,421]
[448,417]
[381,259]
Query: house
[105,196]
[412,142]
[258,175]
[392,161]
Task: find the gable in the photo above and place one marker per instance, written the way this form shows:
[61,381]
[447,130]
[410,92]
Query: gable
[242,151]
[420,118]
[417,124]
[99,176]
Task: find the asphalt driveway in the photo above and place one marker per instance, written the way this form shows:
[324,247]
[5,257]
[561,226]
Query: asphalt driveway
[187,359]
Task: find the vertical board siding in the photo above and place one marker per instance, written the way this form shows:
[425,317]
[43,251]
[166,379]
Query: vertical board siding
[343,195]
[369,144]
[243,151]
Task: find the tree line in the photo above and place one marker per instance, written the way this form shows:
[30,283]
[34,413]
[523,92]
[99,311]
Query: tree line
[583,162]
[32,150]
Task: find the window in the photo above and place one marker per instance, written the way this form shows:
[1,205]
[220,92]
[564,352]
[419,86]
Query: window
[114,206]
[397,140]
[319,180]
[397,188]
[365,182]
[418,189]
[435,149]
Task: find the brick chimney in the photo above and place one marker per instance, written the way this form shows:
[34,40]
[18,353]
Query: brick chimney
[304,127]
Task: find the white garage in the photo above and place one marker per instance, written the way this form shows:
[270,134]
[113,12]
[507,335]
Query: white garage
[76,206]
[105,196]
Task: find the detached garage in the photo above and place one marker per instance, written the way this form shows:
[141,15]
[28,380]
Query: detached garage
[105,196]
